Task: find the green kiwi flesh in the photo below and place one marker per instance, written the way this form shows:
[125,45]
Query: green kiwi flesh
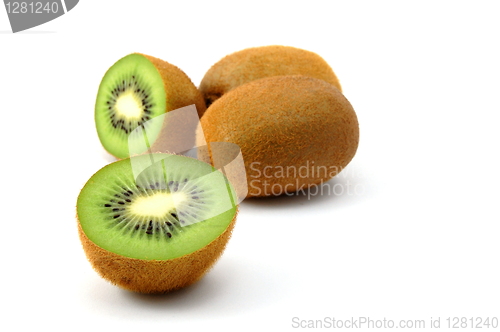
[156,207]
[130,94]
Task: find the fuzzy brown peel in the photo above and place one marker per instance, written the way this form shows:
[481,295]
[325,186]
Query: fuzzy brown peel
[179,88]
[259,62]
[155,276]
[289,123]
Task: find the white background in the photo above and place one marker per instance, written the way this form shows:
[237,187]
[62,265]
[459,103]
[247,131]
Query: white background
[419,239]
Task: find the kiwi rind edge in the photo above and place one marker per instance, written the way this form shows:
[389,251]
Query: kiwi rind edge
[155,276]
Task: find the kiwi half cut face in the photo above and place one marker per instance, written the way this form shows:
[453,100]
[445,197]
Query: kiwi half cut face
[135,90]
[154,223]
[130,94]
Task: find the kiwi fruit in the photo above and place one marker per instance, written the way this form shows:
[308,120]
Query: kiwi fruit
[258,62]
[135,90]
[294,132]
[155,222]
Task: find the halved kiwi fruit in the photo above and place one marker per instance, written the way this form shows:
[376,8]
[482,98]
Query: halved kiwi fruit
[136,89]
[259,62]
[156,222]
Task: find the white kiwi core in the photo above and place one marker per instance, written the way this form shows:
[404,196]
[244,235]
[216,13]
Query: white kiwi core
[157,205]
[129,105]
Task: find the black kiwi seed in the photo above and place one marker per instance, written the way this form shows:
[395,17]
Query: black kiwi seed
[150,228]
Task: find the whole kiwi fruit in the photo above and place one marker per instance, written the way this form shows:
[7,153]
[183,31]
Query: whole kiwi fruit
[265,61]
[294,132]
[155,223]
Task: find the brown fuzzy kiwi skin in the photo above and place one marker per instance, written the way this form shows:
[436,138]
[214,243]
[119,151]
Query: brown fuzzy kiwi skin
[291,123]
[180,89]
[155,276]
[178,135]
[258,62]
